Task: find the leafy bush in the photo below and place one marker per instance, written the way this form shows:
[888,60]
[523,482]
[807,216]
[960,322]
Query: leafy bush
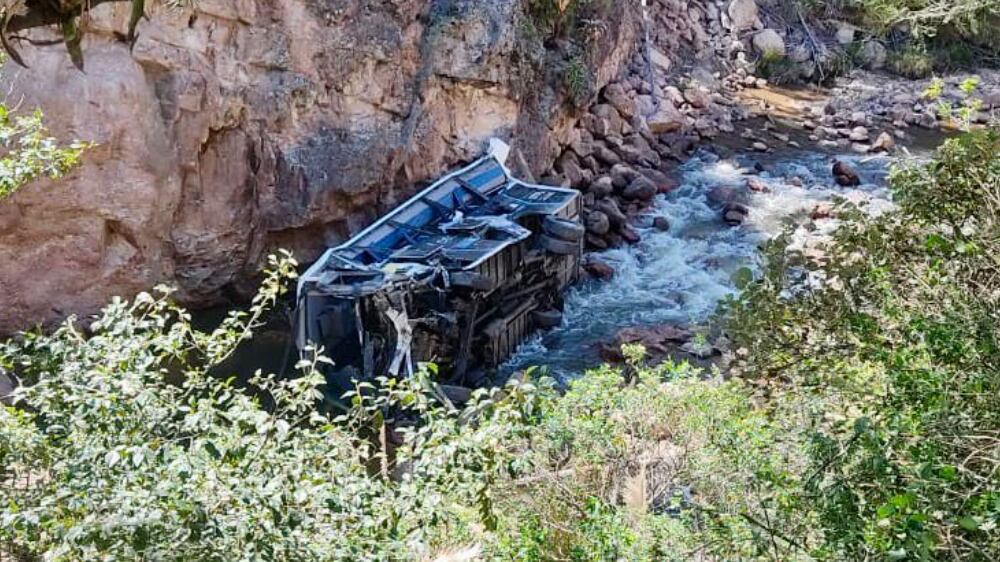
[560,18]
[901,347]
[29,152]
[115,462]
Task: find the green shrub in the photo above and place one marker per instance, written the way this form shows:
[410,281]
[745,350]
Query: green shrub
[116,463]
[561,18]
[29,152]
[901,342]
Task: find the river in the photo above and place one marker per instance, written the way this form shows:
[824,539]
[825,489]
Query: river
[674,277]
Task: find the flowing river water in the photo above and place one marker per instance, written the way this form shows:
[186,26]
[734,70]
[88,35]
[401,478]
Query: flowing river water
[678,277]
[674,277]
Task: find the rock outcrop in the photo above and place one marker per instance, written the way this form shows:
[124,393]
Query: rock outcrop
[239,126]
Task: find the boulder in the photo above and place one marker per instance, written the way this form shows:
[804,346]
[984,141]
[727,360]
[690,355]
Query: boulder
[735,214]
[613,212]
[622,175]
[583,145]
[883,143]
[617,98]
[569,166]
[596,242]
[595,125]
[758,185]
[659,341]
[597,223]
[845,33]
[661,223]
[873,55]
[614,119]
[661,62]
[667,119]
[641,189]
[663,182]
[845,175]
[822,211]
[858,134]
[699,98]
[605,155]
[991,99]
[744,15]
[602,187]
[629,235]
[769,43]
[598,269]
[723,195]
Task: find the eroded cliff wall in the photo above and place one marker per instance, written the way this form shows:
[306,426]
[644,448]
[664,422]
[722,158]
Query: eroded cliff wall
[239,126]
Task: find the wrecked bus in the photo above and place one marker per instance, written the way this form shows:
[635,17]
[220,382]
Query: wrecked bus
[459,275]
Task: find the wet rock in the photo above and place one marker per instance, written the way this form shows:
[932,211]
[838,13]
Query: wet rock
[659,341]
[596,242]
[822,211]
[661,223]
[622,175]
[759,146]
[663,182]
[629,234]
[845,175]
[640,189]
[598,269]
[735,214]
[613,212]
[861,148]
[722,196]
[884,143]
[758,185]
[597,223]
[769,43]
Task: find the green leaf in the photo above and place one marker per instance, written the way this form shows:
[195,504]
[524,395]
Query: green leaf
[742,278]
[968,523]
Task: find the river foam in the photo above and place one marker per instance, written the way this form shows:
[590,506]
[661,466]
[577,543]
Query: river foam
[679,276]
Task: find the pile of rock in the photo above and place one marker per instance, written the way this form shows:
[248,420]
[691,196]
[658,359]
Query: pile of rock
[623,150]
[899,103]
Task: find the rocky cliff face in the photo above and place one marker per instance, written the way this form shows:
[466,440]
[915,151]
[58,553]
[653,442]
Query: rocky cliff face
[240,126]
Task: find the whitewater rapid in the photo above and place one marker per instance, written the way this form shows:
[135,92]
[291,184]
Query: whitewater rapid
[679,276]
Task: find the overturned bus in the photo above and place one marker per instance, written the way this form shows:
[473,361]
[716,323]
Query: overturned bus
[459,275]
